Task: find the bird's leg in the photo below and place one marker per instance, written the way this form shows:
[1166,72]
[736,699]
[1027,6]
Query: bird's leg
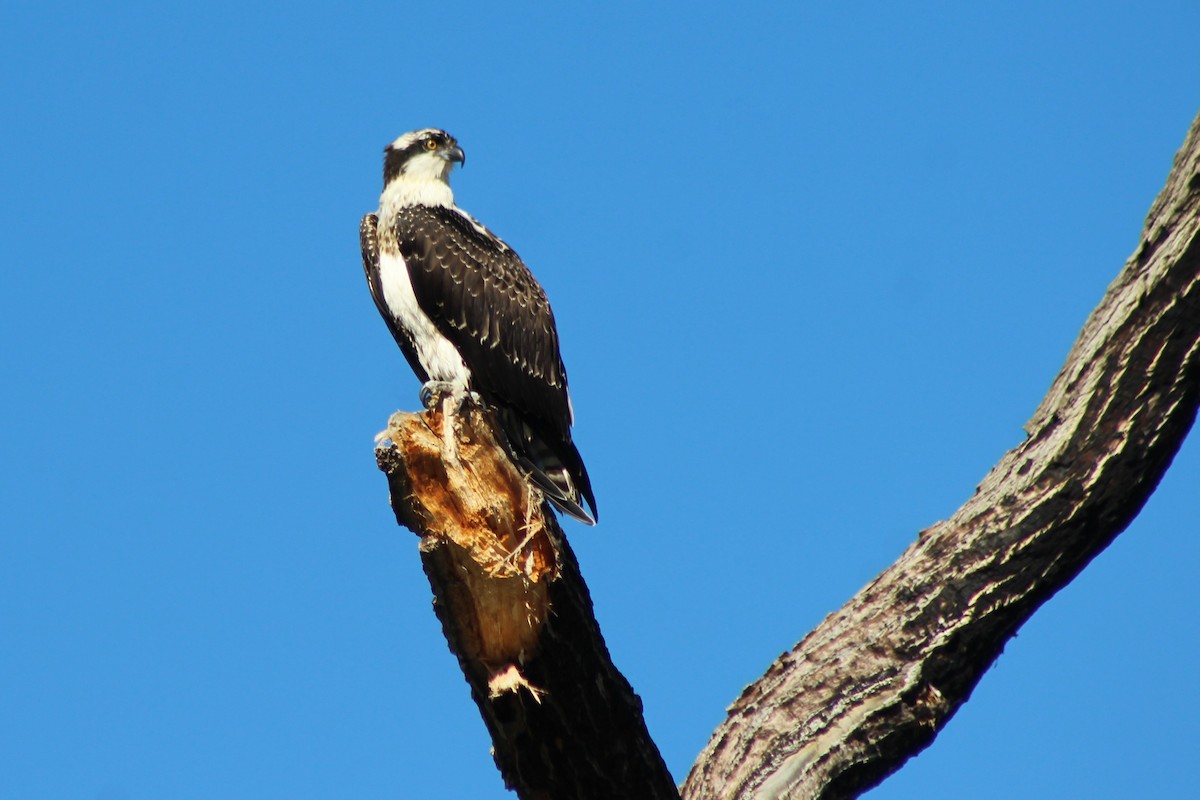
[452,396]
[433,391]
[450,408]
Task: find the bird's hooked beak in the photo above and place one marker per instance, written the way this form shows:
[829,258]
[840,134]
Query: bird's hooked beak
[454,154]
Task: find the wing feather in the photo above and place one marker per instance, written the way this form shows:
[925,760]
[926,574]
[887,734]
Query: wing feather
[483,298]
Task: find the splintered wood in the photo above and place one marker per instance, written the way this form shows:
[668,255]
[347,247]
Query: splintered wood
[517,614]
[484,539]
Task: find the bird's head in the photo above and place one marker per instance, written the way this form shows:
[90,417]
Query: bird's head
[425,155]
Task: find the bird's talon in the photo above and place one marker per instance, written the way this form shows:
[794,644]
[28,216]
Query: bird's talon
[433,391]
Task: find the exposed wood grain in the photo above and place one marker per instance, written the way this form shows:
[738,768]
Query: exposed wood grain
[517,614]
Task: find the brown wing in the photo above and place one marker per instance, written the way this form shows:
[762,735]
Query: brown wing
[483,298]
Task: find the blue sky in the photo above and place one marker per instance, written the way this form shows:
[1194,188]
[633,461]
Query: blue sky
[813,269]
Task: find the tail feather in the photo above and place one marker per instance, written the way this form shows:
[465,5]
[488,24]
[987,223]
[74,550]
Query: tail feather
[557,471]
[559,489]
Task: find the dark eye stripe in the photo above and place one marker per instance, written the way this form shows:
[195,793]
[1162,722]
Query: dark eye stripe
[394,160]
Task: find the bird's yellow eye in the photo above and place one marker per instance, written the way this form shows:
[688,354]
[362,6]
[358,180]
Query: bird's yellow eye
[431,145]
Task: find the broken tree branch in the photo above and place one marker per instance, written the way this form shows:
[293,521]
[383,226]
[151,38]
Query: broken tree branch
[517,615]
[877,680]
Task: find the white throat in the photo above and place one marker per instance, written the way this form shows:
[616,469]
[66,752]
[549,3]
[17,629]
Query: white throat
[414,190]
[423,181]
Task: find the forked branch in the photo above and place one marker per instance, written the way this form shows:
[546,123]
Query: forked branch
[876,681]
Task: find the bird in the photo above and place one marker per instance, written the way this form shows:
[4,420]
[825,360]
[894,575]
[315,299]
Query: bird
[469,316]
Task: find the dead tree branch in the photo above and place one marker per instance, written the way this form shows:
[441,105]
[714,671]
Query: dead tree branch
[876,681]
[517,614]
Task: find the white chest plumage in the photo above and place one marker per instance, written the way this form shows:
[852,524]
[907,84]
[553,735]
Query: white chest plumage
[437,355]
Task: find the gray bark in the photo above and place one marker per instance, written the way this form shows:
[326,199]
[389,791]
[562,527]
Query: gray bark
[877,680]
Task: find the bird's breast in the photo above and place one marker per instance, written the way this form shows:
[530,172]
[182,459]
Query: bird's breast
[437,355]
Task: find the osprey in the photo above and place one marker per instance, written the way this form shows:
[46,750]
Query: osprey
[469,315]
